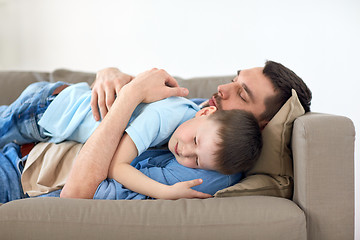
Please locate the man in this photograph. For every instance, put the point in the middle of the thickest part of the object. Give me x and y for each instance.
(261, 91)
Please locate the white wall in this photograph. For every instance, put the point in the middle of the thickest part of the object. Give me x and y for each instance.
(319, 40)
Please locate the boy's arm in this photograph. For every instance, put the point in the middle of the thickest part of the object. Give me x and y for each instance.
(92, 164)
(121, 170)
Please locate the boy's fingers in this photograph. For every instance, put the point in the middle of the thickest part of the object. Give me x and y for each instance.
(203, 195)
(195, 182)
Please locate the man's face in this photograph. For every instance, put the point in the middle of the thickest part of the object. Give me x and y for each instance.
(247, 91)
(194, 143)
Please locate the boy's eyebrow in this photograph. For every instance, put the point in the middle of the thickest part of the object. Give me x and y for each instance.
(238, 72)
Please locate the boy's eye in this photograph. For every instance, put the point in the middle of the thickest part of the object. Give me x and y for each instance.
(195, 140)
(197, 161)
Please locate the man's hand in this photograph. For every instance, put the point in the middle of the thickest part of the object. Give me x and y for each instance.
(108, 83)
(154, 85)
(183, 190)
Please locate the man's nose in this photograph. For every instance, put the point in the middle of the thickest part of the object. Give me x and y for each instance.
(223, 90)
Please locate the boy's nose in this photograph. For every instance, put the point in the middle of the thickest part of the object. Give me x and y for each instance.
(188, 151)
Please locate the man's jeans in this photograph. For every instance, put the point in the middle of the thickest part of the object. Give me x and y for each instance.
(19, 121)
(11, 167)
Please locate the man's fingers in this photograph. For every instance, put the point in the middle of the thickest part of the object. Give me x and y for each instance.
(102, 104)
(178, 91)
(170, 81)
(94, 105)
(110, 98)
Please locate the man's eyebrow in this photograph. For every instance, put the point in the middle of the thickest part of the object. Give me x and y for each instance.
(248, 91)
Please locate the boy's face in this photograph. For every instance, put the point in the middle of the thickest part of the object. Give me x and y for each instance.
(195, 141)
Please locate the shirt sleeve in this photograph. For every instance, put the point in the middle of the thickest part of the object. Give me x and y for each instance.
(168, 171)
(174, 172)
(156, 122)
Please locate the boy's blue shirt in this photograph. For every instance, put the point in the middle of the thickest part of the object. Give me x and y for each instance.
(69, 117)
(162, 166)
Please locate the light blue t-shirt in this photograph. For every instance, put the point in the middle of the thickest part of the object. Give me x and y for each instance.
(69, 117)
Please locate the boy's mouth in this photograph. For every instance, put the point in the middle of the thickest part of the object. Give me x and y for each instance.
(176, 149)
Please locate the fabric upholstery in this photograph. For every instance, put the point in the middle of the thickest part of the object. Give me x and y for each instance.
(272, 173)
(322, 206)
(324, 174)
(225, 218)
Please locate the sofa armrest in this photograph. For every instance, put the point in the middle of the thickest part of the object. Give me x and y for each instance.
(323, 155)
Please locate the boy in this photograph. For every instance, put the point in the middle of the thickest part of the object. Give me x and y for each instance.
(69, 117)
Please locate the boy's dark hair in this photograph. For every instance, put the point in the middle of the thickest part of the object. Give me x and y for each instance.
(241, 140)
(283, 80)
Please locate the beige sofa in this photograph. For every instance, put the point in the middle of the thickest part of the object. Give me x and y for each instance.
(321, 207)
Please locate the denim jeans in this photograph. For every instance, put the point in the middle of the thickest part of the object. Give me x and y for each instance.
(11, 167)
(19, 121)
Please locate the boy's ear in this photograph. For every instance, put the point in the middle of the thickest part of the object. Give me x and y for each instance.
(206, 111)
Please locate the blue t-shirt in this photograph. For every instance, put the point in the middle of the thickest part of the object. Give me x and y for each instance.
(69, 117)
(162, 166)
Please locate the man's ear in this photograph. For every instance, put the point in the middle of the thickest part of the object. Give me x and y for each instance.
(206, 111)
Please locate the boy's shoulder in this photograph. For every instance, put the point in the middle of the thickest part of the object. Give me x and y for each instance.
(174, 103)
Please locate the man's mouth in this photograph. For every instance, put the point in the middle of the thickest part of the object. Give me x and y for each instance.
(212, 101)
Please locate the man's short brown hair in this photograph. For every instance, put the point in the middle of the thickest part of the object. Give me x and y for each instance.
(283, 80)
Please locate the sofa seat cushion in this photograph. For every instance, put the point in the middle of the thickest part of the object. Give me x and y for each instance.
(252, 217)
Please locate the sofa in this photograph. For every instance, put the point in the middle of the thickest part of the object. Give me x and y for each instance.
(313, 199)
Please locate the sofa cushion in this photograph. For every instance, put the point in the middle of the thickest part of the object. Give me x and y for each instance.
(272, 174)
(253, 217)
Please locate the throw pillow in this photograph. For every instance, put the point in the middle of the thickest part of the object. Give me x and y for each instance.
(273, 172)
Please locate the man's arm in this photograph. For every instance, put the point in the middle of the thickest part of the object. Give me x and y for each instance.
(121, 170)
(92, 164)
(107, 85)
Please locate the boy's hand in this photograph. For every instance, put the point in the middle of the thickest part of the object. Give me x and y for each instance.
(108, 83)
(183, 190)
